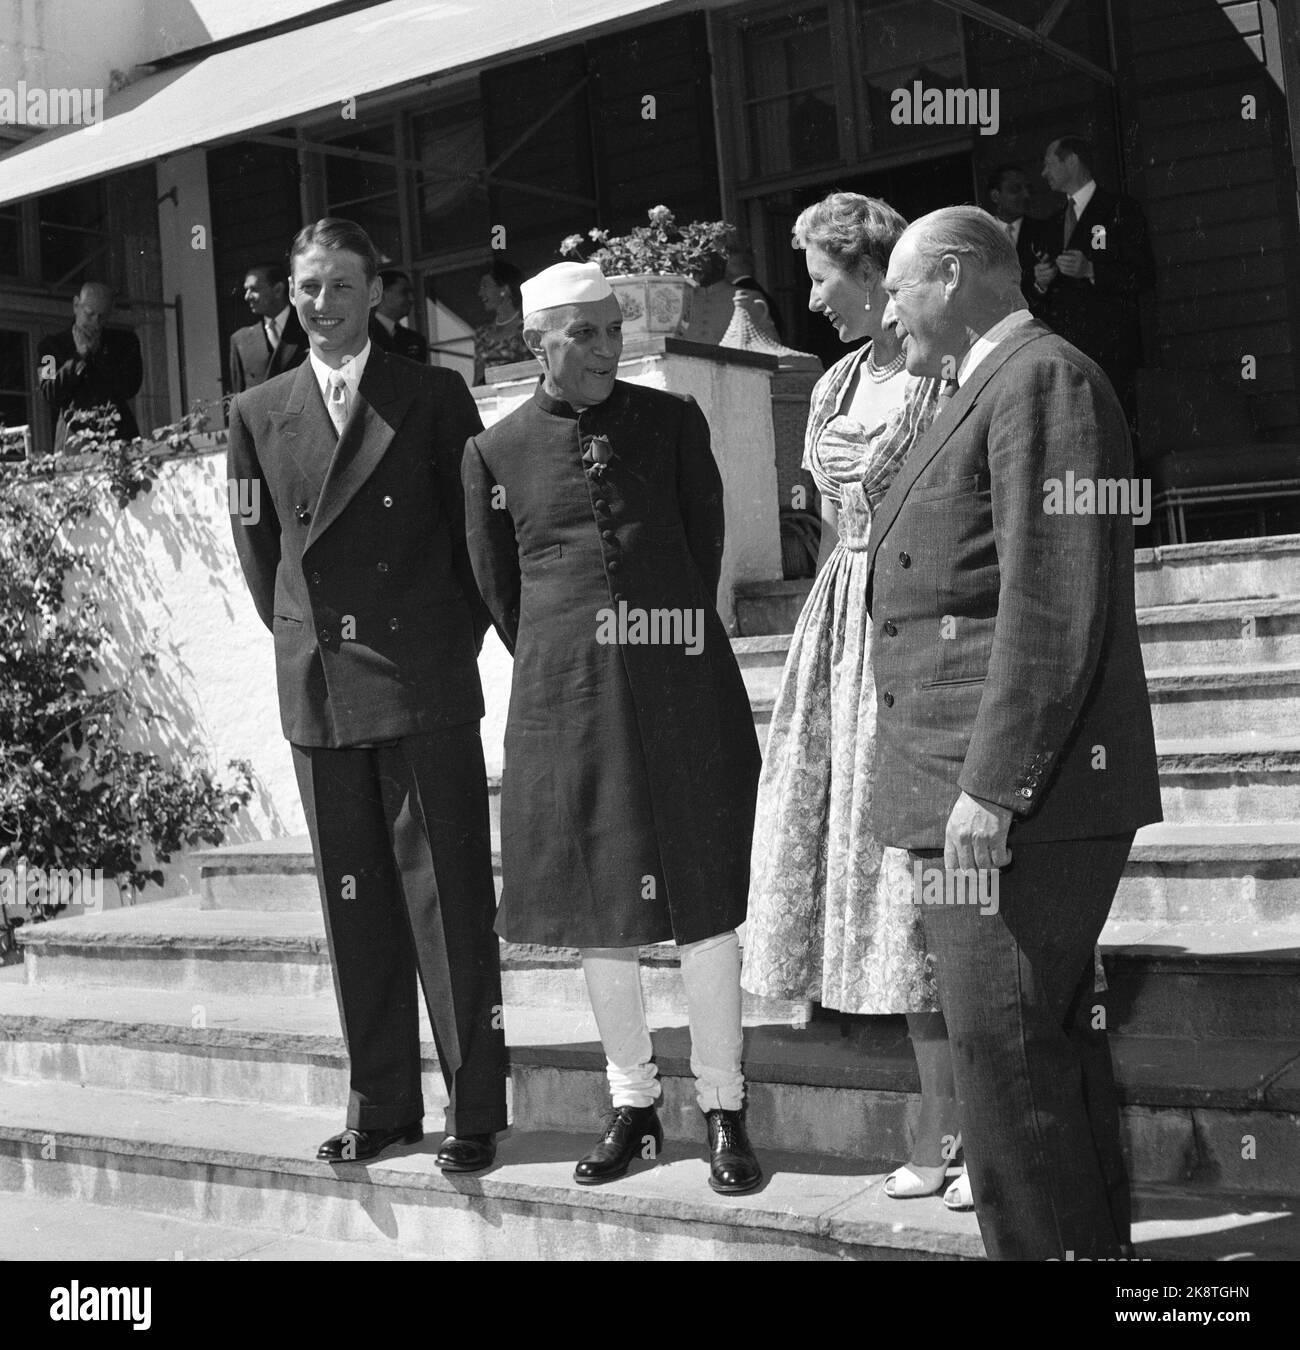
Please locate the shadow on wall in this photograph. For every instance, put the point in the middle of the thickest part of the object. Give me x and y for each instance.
(189, 643)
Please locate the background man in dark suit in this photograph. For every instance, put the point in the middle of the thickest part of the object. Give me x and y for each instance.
(355, 555)
(1102, 263)
(1009, 192)
(394, 305)
(1014, 728)
(90, 365)
(276, 342)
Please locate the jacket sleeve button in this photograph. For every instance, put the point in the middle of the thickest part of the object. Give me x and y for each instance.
(388, 501)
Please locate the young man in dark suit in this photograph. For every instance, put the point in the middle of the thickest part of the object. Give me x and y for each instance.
(90, 366)
(276, 342)
(1101, 263)
(355, 555)
(1014, 727)
(1009, 192)
(394, 305)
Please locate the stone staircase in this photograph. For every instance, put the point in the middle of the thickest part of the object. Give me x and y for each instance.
(167, 1071)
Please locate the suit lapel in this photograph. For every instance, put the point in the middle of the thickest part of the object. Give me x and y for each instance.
(942, 428)
(377, 412)
(304, 428)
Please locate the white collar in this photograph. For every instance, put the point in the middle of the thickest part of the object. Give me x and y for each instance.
(352, 370)
(1083, 196)
(279, 319)
(986, 342)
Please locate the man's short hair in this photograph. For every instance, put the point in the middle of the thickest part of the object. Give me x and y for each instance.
(971, 233)
(389, 276)
(851, 228)
(272, 273)
(1075, 145)
(993, 183)
(333, 232)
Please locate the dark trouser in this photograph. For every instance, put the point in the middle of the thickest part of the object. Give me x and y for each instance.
(1039, 1115)
(403, 857)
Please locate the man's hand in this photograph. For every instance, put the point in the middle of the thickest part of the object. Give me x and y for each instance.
(85, 342)
(1044, 273)
(976, 836)
(1073, 264)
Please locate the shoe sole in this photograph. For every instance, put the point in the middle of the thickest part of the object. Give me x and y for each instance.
(461, 1169)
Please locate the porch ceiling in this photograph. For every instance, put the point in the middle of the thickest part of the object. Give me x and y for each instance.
(271, 82)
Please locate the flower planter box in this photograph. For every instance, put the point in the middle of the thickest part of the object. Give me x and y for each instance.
(653, 304)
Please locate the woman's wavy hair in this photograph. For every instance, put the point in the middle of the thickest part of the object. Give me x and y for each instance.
(851, 229)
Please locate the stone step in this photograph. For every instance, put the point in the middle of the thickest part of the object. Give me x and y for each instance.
(1257, 632)
(1219, 572)
(1213, 873)
(251, 1168)
(240, 1164)
(1170, 1224)
(1224, 700)
(182, 944)
(843, 1086)
(1245, 977)
(1230, 779)
(1221, 569)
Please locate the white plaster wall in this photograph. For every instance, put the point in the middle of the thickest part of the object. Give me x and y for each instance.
(74, 43)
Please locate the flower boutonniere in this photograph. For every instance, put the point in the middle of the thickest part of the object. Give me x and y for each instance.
(597, 457)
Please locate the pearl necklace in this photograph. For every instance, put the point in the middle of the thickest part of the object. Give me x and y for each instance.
(879, 374)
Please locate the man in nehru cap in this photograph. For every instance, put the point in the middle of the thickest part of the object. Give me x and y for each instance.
(595, 527)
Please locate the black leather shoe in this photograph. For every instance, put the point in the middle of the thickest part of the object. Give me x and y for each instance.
(733, 1168)
(467, 1152)
(630, 1132)
(361, 1145)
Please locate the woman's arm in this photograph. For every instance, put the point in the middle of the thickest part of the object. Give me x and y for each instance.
(830, 531)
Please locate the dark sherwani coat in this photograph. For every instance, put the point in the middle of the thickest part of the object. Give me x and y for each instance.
(630, 769)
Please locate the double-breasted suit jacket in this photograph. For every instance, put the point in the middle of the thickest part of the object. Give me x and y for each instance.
(353, 547)
(1102, 316)
(1005, 645)
(356, 559)
(631, 767)
(252, 362)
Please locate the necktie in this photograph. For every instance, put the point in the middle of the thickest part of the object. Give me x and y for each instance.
(272, 333)
(1071, 220)
(337, 402)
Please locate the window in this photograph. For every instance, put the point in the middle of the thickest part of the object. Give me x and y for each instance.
(15, 400)
(75, 240)
(790, 112)
(902, 41)
(365, 190)
(452, 209)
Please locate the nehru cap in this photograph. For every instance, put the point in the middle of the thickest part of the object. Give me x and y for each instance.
(567, 283)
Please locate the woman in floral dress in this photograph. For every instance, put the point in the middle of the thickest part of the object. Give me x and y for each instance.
(831, 917)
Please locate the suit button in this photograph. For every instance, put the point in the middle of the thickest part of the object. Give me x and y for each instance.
(613, 564)
(608, 534)
(1026, 792)
(303, 514)
(315, 578)
(905, 559)
(388, 501)
(887, 699)
(393, 625)
(890, 630)
(325, 637)
(383, 567)
(601, 504)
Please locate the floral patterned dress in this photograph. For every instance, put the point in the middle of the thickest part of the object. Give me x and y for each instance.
(830, 912)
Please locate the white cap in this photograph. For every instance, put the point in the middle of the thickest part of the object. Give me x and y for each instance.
(567, 283)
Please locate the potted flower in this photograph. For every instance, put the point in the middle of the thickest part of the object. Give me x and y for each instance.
(654, 269)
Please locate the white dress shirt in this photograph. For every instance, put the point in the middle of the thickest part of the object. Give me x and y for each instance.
(987, 341)
(352, 370)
